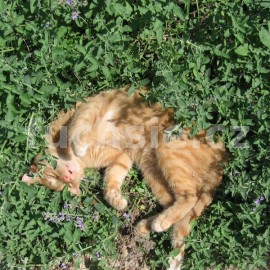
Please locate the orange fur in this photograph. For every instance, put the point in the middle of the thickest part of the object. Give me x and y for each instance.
(115, 130)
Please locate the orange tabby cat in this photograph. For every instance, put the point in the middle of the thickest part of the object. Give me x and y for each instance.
(115, 130)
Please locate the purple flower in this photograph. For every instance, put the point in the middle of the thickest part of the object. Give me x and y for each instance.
(61, 217)
(69, 2)
(257, 201)
(97, 254)
(66, 205)
(126, 215)
(75, 254)
(79, 223)
(51, 219)
(75, 15)
(63, 266)
(95, 216)
(46, 216)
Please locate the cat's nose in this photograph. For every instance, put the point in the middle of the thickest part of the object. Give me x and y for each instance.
(67, 178)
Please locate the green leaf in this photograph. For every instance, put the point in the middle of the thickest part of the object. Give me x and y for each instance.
(81, 49)
(179, 13)
(30, 225)
(94, 64)
(158, 27)
(263, 3)
(32, 5)
(115, 220)
(144, 82)
(76, 236)
(78, 67)
(68, 237)
(242, 50)
(131, 89)
(100, 207)
(25, 98)
(19, 20)
(20, 138)
(107, 73)
(220, 53)
(265, 37)
(29, 189)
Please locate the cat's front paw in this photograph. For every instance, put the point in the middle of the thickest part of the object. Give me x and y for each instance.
(161, 223)
(115, 199)
(79, 149)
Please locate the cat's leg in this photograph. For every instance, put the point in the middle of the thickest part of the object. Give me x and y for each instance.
(161, 191)
(78, 138)
(114, 177)
(163, 194)
(80, 128)
(184, 202)
(157, 182)
(181, 230)
(144, 227)
(182, 227)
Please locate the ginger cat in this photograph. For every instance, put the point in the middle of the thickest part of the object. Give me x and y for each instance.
(115, 130)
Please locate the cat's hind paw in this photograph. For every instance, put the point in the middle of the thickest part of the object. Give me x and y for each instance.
(161, 223)
(143, 228)
(115, 199)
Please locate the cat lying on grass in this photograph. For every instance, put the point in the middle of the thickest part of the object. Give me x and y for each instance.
(115, 130)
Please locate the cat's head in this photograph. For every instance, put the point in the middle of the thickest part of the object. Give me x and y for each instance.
(55, 177)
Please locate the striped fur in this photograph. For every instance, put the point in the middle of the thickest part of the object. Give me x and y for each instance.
(115, 130)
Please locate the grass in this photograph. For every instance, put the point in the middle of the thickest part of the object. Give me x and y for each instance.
(209, 60)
